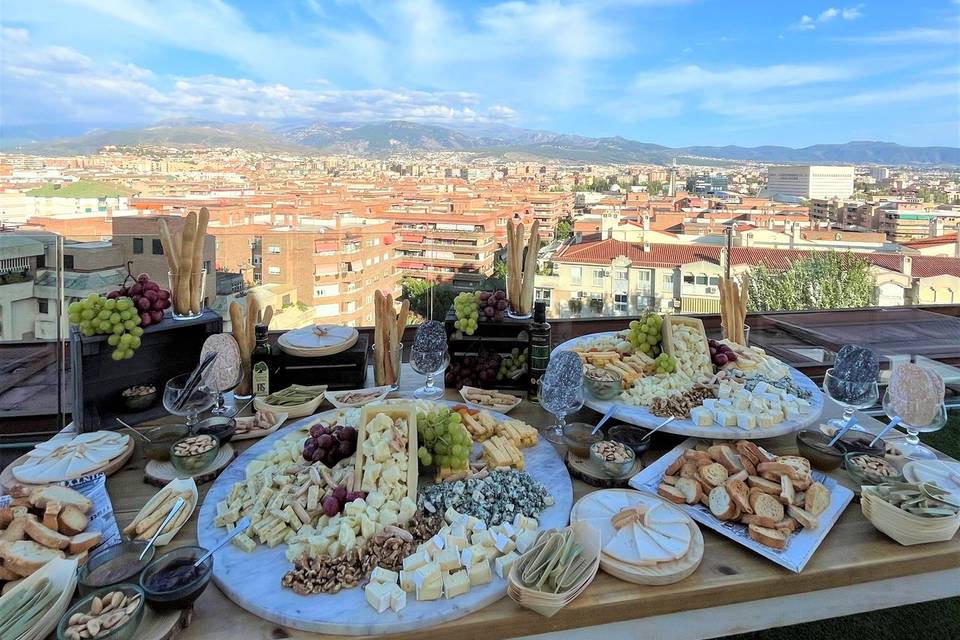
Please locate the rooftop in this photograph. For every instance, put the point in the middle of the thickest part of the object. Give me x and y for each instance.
(81, 189)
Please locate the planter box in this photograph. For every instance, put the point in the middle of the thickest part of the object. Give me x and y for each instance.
(167, 349)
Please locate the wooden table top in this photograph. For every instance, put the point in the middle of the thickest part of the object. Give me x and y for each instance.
(853, 552)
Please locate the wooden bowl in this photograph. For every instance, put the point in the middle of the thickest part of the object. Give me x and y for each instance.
(904, 527)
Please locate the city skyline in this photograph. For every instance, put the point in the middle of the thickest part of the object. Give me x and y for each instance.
(661, 71)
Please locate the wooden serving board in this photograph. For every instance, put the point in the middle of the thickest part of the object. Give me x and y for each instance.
(395, 411)
(8, 480)
(670, 323)
(160, 473)
(163, 625)
(584, 469)
(305, 343)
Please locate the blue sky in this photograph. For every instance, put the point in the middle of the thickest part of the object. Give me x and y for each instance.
(674, 72)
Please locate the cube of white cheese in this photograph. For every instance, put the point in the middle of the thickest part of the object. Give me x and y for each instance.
(406, 580)
(746, 420)
(434, 545)
(472, 555)
(451, 515)
(455, 542)
(803, 405)
(398, 597)
(455, 584)
(503, 544)
(766, 420)
(526, 539)
(701, 416)
(416, 560)
(430, 591)
(380, 574)
(710, 404)
(761, 387)
(725, 418)
(377, 596)
(503, 563)
(427, 573)
(479, 573)
(484, 538)
(521, 521)
(448, 559)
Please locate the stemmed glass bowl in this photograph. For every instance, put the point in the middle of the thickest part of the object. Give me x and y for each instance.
(430, 364)
(560, 402)
(199, 400)
(851, 395)
(914, 449)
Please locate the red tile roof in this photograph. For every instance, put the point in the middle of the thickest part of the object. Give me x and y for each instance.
(595, 251)
(935, 241)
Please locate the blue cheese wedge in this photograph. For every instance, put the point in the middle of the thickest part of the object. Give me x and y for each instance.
(502, 564)
(479, 573)
(377, 596)
(455, 584)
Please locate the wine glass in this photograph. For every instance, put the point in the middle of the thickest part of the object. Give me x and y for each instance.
(902, 410)
(430, 364)
(851, 395)
(560, 400)
(220, 405)
(200, 399)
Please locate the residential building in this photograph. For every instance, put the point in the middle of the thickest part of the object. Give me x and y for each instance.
(810, 181)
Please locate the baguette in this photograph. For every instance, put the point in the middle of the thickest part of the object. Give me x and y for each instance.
(84, 542)
(64, 495)
(47, 537)
(690, 489)
(762, 521)
(806, 519)
(23, 557)
(767, 486)
(816, 499)
(769, 537)
(715, 474)
(779, 469)
(671, 493)
(722, 504)
(767, 506)
(688, 469)
(740, 493)
(72, 521)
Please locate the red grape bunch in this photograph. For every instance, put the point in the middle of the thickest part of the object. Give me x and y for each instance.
(329, 444)
(336, 501)
(148, 298)
(720, 353)
(474, 371)
(493, 304)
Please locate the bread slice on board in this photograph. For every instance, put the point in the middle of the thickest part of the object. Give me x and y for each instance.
(721, 504)
(816, 499)
(769, 537)
(26, 556)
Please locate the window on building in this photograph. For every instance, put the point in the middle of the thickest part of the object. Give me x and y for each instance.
(542, 295)
(714, 281)
(644, 276)
(43, 305)
(273, 249)
(68, 262)
(598, 277)
(701, 280)
(207, 265)
(576, 275)
(157, 247)
(274, 271)
(620, 302)
(41, 261)
(286, 300)
(668, 280)
(688, 278)
(138, 245)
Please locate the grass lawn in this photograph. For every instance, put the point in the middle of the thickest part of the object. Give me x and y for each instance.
(937, 619)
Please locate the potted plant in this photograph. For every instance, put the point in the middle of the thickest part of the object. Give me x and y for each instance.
(596, 304)
(576, 305)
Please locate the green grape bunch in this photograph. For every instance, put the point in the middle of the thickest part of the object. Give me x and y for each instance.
(466, 307)
(664, 363)
(646, 334)
(444, 441)
(116, 318)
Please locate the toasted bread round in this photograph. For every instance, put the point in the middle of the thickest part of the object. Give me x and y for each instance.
(769, 537)
(752, 518)
(674, 467)
(740, 493)
(805, 518)
(715, 474)
(671, 493)
(721, 504)
(23, 557)
(73, 521)
(691, 490)
(816, 499)
(767, 506)
(84, 542)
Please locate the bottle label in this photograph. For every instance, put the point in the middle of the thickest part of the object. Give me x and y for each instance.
(261, 379)
(539, 356)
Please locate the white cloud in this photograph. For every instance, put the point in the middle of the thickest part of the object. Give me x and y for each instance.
(806, 23)
(852, 13)
(912, 35)
(828, 14)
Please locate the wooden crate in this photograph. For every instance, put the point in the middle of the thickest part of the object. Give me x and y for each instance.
(344, 370)
(167, 349)
(501, 337)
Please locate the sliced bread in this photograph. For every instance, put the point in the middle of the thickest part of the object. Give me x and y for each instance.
(50, 513)
(7, 574)
(715, 474)
(722, 504)
(816, 499)
(749, 452)
(688, 469)
(804, 517)
(40, 496)
(690, 489)
(767, 486)
(674, 467)
(46, 537)
(23, 557)
(769, 537)
(767, 506)
(752, 518)
(671, 480)
(787, 494)
(739, 491)
(787, 523)
(84, 542)
(779, 469)
(73, 521)
(741, 475)
(6, 516)
(671, 493)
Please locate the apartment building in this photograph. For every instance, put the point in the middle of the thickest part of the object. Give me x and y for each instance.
(549, 209)
(81, 197)
(810, 181)
(905, 221)
(612, 277)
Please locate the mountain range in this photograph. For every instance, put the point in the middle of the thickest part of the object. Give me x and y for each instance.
(394, 137)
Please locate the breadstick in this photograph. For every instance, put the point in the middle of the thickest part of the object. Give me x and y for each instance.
(196, 260)
(157, 515)
(253, 308)
(181, 300)
(530, 268)
(378, 328)
(390, 330)
(169, 248)
(402, 317)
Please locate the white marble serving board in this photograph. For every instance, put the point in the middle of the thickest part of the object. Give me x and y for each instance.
(252, 580)
(685, 427)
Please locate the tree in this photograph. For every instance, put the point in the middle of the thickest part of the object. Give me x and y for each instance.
(564, 230)
(654, 187)
(824, 280)
(500, 269)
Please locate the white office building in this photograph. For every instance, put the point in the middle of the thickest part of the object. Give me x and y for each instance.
(810, 181)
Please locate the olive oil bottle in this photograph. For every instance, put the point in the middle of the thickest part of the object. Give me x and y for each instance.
(539, 349)
(262, 358)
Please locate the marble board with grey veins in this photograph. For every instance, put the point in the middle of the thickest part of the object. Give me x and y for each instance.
(252, 580)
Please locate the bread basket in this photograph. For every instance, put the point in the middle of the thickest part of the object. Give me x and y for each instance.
(904, 527)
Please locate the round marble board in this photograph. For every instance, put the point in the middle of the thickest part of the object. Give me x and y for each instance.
(641, 416)
(252, 580)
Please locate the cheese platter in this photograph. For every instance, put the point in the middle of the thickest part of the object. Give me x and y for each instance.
(444, 542)
(749, 394)
(60, 459)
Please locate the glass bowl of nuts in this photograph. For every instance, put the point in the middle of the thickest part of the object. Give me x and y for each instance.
(868, 469)
(111, 613)
(613, 457)
(193, 454)
(602, 384)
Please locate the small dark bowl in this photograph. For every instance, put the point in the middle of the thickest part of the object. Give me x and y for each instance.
(578, 438)
(160, 440)
(220, 427)
(631, 436)
(813, 446)
(859, 442)
(123, 556)
(140, 403)
(182, 596)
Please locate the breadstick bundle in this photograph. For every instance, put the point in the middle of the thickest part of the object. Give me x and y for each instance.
(184, 254)
(387, 335)
(243, 323)
(733, 309)
(521, 270)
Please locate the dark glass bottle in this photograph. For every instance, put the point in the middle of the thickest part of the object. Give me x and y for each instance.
(539, 354)
(261, 362)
